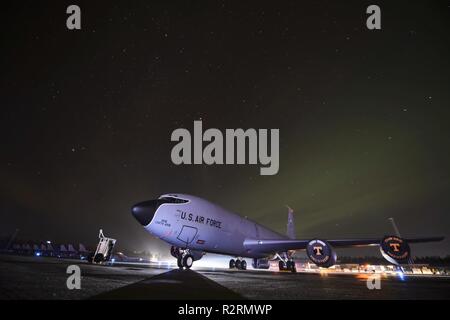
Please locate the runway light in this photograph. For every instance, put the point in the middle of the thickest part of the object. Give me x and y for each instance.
(37, 254)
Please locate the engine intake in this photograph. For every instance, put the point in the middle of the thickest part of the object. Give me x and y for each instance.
(321, 253)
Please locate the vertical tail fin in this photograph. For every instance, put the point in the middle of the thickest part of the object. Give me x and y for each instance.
(290, 227)
(394, 226)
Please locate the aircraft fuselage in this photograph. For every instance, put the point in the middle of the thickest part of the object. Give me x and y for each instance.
(200, 225)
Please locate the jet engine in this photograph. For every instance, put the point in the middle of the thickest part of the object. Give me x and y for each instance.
(261, 264)
(395, 250)
(321, 253)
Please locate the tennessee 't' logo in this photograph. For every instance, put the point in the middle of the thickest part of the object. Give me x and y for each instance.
(395, 246)
(318, 251)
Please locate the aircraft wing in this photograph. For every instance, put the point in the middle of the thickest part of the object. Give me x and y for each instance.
(269, 246)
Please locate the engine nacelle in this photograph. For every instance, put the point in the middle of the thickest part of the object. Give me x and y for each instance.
(395, 250)
(321, 253)
(261, 264)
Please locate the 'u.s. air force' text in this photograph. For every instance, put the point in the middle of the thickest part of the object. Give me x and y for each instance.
(199, 219)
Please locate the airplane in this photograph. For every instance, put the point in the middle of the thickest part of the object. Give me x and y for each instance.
(194, 226)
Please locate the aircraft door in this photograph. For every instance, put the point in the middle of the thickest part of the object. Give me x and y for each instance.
(187, 234)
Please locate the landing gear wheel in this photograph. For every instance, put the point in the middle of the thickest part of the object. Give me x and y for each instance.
(290, 265)
(174, 251)
(188, 260)
(294, 268)
(238, 264)
(281, 265)
(243, 265)
(180, 262)
(232, 264)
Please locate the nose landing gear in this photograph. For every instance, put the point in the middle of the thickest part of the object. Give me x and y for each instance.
(184, 257)
(187, 261)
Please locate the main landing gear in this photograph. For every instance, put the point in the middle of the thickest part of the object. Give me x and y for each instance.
(288, 266)
(238, 264)
(184, 257)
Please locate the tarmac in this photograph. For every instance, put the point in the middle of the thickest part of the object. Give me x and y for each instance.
(40, 278)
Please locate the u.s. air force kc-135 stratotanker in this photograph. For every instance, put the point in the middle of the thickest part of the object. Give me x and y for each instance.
(194, 226)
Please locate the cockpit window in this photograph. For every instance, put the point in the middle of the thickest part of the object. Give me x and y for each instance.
(172, 200)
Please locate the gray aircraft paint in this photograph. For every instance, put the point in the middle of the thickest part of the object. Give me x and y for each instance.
(168, 225)
(202, 226)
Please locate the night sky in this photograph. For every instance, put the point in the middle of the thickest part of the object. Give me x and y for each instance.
(86, 116)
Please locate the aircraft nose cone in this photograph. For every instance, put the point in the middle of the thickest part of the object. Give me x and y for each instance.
(144, 211)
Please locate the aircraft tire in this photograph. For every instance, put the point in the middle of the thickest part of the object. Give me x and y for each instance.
(281, 265)
(243, 265)
(232, 264)
(180, 262)
(238, 264)
(188, 261)
(291, 266)
(174, 252)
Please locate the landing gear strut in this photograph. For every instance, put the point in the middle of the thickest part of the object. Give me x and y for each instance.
(288, 265)
(291, 266)
(238, 264)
